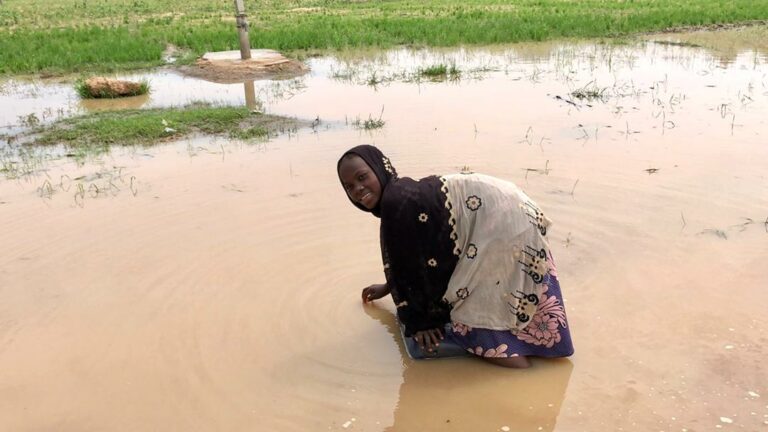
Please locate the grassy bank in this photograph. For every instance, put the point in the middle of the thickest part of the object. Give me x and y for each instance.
(99, 131)
(121, 34)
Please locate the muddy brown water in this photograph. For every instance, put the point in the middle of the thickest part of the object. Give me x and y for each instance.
(214, 285)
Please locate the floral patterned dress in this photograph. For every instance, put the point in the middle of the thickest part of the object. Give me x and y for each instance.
(547, 334)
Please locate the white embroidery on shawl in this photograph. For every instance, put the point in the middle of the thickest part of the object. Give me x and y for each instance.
(471, 251)
(535, 216)
(534, 262)
(451, 218)
(387, 165)
(522, 306)
(474, 202)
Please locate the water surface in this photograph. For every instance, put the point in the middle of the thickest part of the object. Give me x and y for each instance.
(214, 285)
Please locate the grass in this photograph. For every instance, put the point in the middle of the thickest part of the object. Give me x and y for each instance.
(249, 133)
(107, 35)
(433, 71)
(370, 123)
(99, 131)
(17, 162)
(440, 71)
(374, 80)
(375, 74)
(84, 91)
(590, 92)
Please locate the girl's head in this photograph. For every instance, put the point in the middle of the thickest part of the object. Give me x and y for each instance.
(364, 173)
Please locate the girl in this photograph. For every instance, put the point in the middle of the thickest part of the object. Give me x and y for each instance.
(465, 249)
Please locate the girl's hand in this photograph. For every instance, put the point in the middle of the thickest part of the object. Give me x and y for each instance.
(429, 339)
(374, 292)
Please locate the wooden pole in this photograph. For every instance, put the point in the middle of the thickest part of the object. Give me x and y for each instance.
(242, 30)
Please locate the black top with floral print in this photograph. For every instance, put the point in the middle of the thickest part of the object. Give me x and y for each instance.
(417, 251)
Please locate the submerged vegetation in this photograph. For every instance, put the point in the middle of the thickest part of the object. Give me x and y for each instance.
(590, 92)
(111, 35)
(370, 123)
(150, 126)
(376, 75)
(440, 71)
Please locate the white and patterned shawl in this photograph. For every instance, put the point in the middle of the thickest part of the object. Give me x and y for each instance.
(500, 234)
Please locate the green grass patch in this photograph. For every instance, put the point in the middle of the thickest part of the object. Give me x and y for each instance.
(432, 71)
(250, 133)
(57, 36)
(152, 126)
(439, 72)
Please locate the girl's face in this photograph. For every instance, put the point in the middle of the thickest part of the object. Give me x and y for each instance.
(360, 182)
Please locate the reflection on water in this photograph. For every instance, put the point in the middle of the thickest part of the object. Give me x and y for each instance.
(132, 102)
(726, 45)
(450, 393)
(250, 95)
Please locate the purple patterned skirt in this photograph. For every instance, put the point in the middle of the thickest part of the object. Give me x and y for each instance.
(546, 336)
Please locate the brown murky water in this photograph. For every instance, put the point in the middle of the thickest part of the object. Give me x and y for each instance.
(214, 285)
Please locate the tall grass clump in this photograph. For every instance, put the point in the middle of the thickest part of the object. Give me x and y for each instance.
(590, 92)
(440, 71)
(370, 123)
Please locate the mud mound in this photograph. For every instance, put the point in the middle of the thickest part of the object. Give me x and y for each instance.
(100, 87)
(226, 67)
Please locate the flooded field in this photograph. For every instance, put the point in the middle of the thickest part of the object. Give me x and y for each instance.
(211, 284)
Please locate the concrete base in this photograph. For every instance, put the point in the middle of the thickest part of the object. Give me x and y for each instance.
(228, 67)
(260, 55)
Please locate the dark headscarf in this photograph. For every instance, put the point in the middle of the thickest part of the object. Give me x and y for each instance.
(380, 166)
(417, 246)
